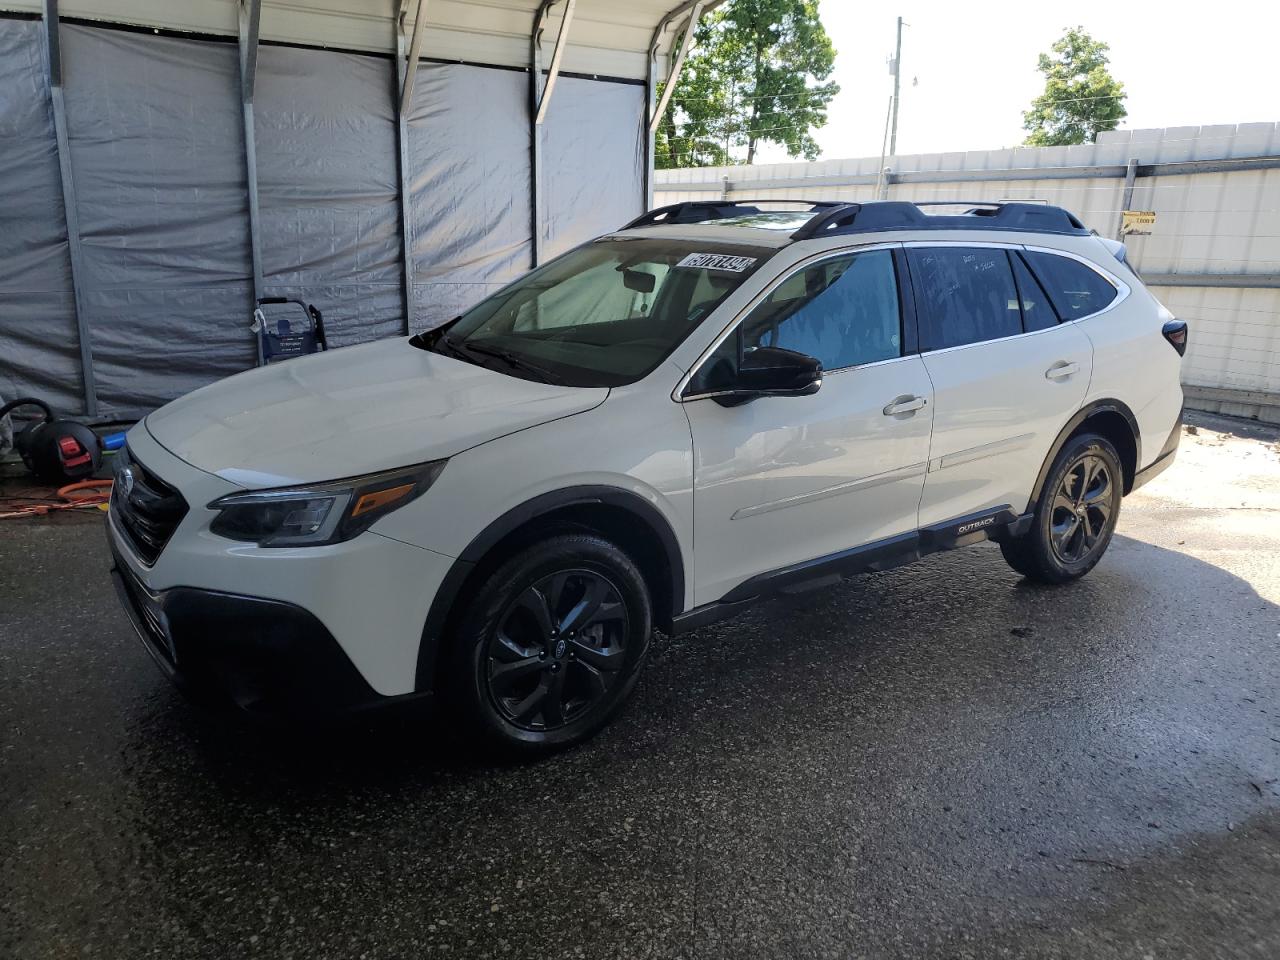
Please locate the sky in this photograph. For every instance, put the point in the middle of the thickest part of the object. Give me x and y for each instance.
(969, 69)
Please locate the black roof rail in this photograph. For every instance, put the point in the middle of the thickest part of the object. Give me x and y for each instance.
(700, 211)
(834, 217)
(883, 215)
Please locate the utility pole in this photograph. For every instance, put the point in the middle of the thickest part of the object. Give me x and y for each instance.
(897, 74)
(882, 188)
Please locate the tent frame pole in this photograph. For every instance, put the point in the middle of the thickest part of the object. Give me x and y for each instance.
(539, 100)
(248, 21)
(655, 109)
(408, 52)
(53, 52)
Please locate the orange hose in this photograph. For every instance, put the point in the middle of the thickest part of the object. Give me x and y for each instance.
(85, 493)
(83, 486)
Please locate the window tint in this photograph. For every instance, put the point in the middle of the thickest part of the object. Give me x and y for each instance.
(964, 295)
(1076, 290)
(844, 311)
(1037, 312)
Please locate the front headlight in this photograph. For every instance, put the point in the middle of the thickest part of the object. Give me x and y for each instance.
(320, 513)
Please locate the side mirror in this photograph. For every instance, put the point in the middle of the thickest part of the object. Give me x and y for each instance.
(773, 372)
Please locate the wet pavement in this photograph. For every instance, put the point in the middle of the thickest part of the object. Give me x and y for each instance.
(937, 761)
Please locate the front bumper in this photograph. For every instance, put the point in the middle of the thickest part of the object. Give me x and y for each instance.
(370, 595)
(265, 656)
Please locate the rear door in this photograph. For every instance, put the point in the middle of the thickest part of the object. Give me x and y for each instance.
(1006, 376)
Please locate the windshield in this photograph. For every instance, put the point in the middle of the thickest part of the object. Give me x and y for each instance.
(602, 315)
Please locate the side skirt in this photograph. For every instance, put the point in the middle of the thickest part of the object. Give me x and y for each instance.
(997, 523)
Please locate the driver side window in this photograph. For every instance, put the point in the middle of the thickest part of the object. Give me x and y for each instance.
(844, 311)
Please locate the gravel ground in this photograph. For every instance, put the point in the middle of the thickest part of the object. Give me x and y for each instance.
(936, 761)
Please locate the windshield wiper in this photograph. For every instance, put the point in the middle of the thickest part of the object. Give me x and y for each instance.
(446, 346)
(511, 359)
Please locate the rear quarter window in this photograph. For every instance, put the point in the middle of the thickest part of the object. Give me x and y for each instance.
(1075, 290)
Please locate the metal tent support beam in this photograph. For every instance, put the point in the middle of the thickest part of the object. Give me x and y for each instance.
(53, 51)
(673, 76)
(407, 54)
(539, 100)
(1130, 175)
(250, 17)
(1077, 172)
(656, 110)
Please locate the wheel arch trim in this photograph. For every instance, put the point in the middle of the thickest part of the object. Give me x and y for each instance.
(587, 495)
(1091, 409)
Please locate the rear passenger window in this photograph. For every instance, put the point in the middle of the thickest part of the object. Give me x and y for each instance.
(1037, 313)
(964, 295)
(1076, 290)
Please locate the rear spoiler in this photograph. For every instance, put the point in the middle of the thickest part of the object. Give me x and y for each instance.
(1118, 250)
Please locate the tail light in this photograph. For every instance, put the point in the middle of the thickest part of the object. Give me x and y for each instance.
(1175, 331)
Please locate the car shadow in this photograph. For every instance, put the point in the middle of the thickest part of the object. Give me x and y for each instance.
(962, 623)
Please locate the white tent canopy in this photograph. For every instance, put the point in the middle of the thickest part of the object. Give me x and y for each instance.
(609, 37)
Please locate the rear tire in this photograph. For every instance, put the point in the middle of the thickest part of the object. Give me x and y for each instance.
(1075, 516)
(551, 644)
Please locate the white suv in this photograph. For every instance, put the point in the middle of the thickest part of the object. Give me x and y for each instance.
(712, 405)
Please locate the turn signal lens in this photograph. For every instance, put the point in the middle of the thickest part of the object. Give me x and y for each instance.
(383, 498)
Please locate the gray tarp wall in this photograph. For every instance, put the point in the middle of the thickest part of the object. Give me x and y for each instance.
(328, 191)
(155, 134)
(469, 153)
(157, 153)
(38, 348)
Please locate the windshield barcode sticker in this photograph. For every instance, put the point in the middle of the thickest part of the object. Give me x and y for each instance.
(717, 261)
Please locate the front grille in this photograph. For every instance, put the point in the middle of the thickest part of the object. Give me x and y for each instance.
(147, 509)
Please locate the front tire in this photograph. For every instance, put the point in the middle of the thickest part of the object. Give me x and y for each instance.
(1075, 516)
(551, 644)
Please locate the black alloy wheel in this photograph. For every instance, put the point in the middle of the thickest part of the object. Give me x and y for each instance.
(1075, 514)
(558, 650)
(1081, 509)
(549, 644)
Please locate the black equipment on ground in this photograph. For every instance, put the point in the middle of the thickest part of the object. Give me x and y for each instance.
(281, 338)
(56, 451)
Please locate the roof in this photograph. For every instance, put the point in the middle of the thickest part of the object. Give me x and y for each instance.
(609, 38)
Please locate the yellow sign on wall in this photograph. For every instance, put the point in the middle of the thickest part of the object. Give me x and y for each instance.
(1134, 220)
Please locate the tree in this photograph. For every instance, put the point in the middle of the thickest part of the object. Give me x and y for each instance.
(755, 75)
(1080, 99)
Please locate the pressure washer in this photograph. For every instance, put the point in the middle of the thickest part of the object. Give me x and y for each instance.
(57, 451)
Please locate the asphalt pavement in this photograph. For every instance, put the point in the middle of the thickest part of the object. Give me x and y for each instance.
(939, 761)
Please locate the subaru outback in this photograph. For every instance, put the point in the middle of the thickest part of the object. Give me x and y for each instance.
(716, 404)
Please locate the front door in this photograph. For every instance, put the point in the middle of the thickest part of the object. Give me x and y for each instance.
(785, 480)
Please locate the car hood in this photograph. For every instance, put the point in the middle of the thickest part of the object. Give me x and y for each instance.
(352, 411)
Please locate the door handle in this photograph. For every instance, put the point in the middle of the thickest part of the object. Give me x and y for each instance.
(1062, 369)
(904, 404)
